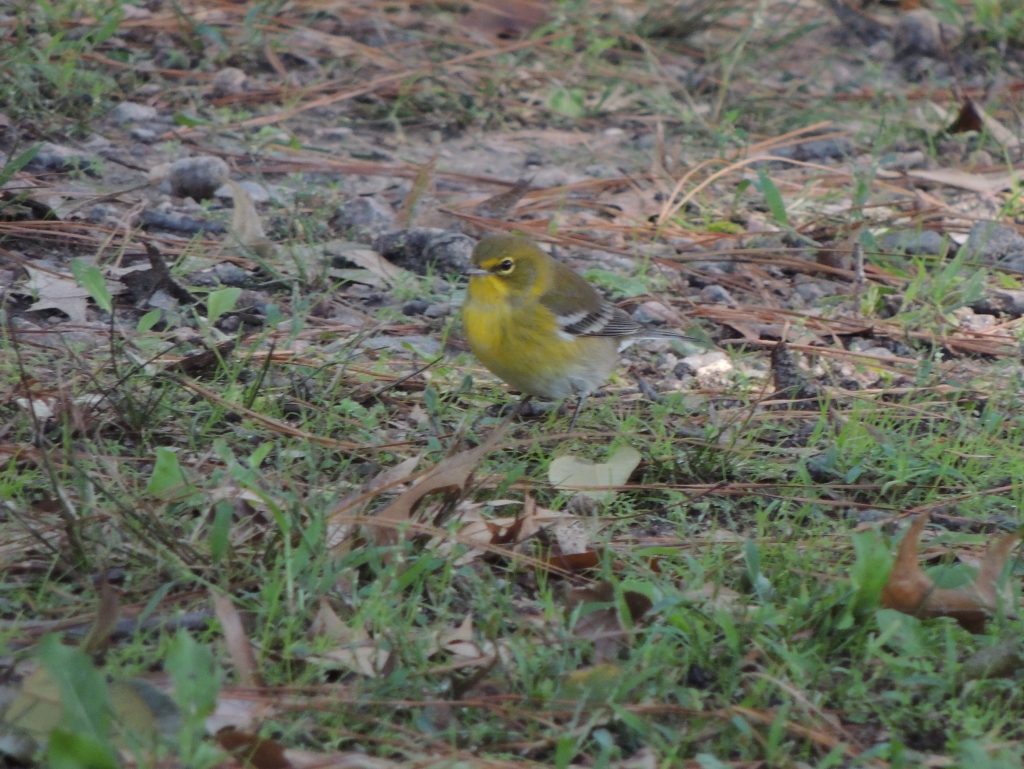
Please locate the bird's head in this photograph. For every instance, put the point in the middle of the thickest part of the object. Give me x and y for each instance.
(511, 262)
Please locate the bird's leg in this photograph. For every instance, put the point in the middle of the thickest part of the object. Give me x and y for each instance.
(576, 413)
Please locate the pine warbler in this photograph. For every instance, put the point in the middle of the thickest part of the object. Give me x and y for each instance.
(540, 326)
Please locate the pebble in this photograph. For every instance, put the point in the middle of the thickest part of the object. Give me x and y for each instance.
(174, 221)
(918, 33)
(970, 320)
(228, 82)
(58, 157)
(257, 191)
(425, 249)
(415, 307)
(1002, 300)
(709, 367)
(715, 294)
(995, 243)
(809, 290)
(132, 112)
(817, 150)
(653, 311)
(143, 134)
(903, 161)
(914, 242)
(363, 218)
(426, 346)
(197, 177)
(439, 310)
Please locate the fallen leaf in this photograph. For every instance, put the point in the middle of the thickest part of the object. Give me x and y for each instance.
(506, 19)
(449, 475)
(1001, 660)
(599, 617)
(56, 292)
(911, 591)
(339, 524)
(107, 610)
(973, 117)
(367, 259)
(327, 624)
(357, 652)
(246, 227)
(595, 479)
(253, 750)
(952, 177)
(239, 649)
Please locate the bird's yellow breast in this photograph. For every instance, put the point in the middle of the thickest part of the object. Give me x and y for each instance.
(518, 339)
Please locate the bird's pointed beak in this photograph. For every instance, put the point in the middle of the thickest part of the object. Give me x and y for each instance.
(473, 270)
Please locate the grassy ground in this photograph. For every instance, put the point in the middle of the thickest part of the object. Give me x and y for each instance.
(280, 519)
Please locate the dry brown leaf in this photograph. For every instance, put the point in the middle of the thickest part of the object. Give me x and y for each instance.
(973, 117)
(449, 475)
(246, 227)
(241, 708)
(252, 750)
(952, 177)
(56, 292)
(356, 650)
(239, 650)
(603, 625)
(107, 611)
(365, 258)
(913, 592)
(506, 19)
(327, 624)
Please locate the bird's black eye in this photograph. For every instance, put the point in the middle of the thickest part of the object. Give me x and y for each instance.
(506, 265)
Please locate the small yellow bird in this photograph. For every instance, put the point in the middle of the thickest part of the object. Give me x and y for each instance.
(540, 326)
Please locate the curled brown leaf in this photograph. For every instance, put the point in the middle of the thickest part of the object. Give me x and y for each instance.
(913, 592)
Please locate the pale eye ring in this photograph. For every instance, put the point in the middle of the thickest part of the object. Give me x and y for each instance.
(506, 265)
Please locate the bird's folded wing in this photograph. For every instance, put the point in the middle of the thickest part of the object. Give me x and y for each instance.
(606, 320)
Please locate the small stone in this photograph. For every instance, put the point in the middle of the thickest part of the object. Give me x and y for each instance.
(708, 367)
(1005, 300)
(918, 33)
(902, 161)
(715, 294)
(228, 274)
(143, 134)
(995, 243)
(815, 150)
(228, 82)
(415, 307)
(132, 112)
(653, 311)
(197, 177)
(914, 242)
(363, 218)
(439, 310)
(809, 290)
(257, 191)
(422, 249)
(425, 346)
(719, 267)
(57, 157)
(969, 320)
